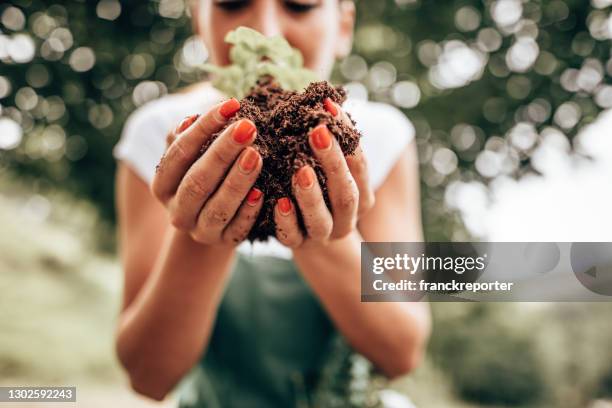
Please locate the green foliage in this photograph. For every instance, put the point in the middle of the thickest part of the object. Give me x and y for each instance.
(78, 115)
(404, 42)
(60, 293)
(253, 56)
(489, 362)
(605, 388)
(72, 118)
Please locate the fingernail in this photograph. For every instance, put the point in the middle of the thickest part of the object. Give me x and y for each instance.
(305, 177)
(284, 206)
(244, 131)
(321, 139)
(330, 106)
(186, 123)
(248, 161)
(229, 108)
(254, 196)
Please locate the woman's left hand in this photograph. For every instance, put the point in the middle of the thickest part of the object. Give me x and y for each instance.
(348, 187)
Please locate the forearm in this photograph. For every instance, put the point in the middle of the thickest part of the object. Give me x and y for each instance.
(165, 328)
(391, 334)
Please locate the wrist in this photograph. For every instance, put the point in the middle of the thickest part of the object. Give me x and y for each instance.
(186, 241)
(318, 249)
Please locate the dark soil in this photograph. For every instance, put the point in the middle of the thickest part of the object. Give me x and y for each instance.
(284, 120)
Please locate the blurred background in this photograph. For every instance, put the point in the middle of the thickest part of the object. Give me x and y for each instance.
(509, 99)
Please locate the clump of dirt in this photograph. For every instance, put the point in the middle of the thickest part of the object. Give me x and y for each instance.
(284, 119)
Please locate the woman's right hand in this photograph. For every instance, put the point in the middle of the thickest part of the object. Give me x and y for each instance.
(210, 196)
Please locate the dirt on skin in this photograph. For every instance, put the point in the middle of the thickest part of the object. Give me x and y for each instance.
(283, 120)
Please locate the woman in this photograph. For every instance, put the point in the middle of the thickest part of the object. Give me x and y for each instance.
(255, 323)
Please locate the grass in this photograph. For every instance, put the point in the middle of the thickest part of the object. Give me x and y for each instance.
(59, 299)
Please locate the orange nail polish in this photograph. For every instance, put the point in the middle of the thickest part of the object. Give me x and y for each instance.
(186, 123)
(244, 131)
(330, 106)
(248, 161)
(284, 206)
(306, 177)
(254, 196)
(229, 108)
(321, 138)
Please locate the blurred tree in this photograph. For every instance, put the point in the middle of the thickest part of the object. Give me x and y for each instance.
(605, 390)
(483, 81)
(490, 362)
(490, 76)
(71, 74)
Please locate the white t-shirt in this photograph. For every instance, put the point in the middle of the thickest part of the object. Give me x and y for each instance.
(385, 133)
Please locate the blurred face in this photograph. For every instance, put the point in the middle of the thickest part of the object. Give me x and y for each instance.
(321, 29)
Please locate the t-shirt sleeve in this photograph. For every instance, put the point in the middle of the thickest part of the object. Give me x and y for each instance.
(143, 141)
(386, 132)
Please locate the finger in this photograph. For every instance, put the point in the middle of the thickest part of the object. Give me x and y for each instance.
(337, 111)
(239, 228)
(221, 208)
(356, 162)
(317, 218)
(170, 138)
(187, 141)
(342, 190)
(202, 179)
(287, 228)
(358, 166)
(184, 125)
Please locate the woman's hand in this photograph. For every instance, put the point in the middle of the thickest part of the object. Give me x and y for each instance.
(210, 196)
(348, 187)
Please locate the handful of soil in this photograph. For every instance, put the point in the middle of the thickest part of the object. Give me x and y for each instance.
(284, 120)
(266, 74)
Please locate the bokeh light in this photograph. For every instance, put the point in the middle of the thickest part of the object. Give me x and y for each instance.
(10, 134)
(194, 52)
(171, 8)
(13, 18)
(406, 94)
(467, 18)
(457, 66)
(82, 59)
(568, 115)
(5, 87)
(522, 55)
(354, 68)
(108, 9)
(506, 12)
(21, 48)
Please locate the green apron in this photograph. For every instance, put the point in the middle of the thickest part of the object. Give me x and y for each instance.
(270, 343)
